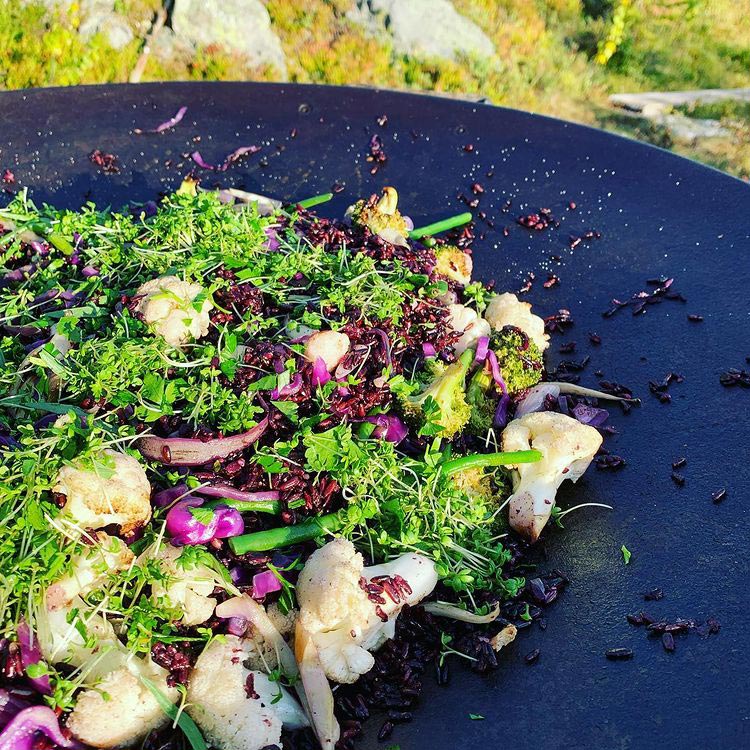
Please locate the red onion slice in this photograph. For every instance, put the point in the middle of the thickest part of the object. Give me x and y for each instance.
(195, 452)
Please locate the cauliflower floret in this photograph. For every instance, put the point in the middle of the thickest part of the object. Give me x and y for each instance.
(506, 310)
(69, 630)
(330, 346)
(454, 263)
(567, 447)
(462, 318)
(116, 492)
(343, 623)
(90, 569)
(186, 587)
(173, 307)
(121, 710)
(238, 709)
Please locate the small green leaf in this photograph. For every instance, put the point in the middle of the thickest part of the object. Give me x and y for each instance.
(476, 717)
(184, 722)
(202, 515)
(626, 554)
(37, 670)
(288, 409)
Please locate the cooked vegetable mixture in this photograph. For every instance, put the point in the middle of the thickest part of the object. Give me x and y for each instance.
(237, 443)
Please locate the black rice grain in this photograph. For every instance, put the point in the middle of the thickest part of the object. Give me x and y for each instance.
(619, 654)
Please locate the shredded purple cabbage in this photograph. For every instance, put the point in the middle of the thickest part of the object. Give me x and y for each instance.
(236, 155)
(590, 415)
(31, 654)
(166, 125)
(21, 732)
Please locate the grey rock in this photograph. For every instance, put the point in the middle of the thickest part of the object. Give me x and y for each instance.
(688, 130)
(99, 17)
(241, 26)
(427, 28)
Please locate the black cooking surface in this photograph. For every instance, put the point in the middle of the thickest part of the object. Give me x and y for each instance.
(659, 216)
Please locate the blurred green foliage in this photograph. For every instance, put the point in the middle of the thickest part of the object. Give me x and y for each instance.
(559, 57)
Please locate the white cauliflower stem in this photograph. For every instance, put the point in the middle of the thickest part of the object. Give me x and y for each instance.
(121, 710)
(330, 346)
(567, 448)
(464, 319)
(174, 309)
(116, 492)
(507, 310)
(342, 620)
(236, 708)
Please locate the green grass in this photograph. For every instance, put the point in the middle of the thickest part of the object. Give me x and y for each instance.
(550, 55)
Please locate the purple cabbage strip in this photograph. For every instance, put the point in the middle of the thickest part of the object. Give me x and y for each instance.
(501, 413)
(31, 654)
(163, 498)
(236, 155)
(320, 375)
(166, 125)
(483, 347)
(21, 733)
(590, 415)
(265, 583)
(12, 702)
(290, 389)
(272, 239)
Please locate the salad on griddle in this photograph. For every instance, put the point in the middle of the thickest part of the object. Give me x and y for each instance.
(253, 461)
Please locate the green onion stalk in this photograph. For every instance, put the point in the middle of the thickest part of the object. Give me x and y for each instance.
(441, 226)
(316, 200)
(312, 528)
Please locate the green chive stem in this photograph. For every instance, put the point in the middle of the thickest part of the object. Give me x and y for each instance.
(285, 536)
(316, 200)
(480, 460)
(441, 226)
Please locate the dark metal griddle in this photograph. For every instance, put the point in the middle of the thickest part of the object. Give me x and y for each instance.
(658, 215)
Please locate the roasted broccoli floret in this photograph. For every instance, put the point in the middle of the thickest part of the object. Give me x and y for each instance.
(454, 264)
(520, 360)
(482, 396)
(380, 215)
(441, 408)
(475, 483)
